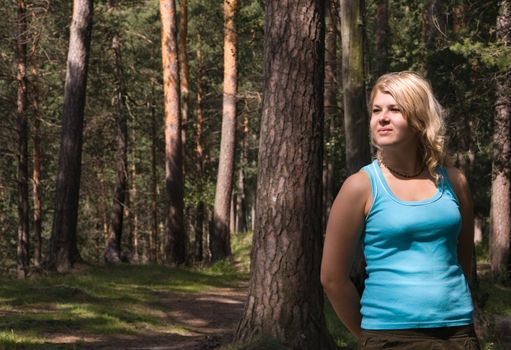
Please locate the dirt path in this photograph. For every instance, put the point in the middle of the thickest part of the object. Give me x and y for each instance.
(206, 321)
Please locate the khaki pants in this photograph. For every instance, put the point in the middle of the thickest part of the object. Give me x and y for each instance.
(443, 338)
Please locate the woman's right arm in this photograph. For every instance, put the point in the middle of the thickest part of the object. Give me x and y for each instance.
(342, 235)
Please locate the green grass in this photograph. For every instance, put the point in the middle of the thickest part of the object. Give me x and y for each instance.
(102, 300)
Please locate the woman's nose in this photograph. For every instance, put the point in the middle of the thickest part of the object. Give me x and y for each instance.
(383, 117)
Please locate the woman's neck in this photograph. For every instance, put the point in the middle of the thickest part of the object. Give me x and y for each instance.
(402, 162)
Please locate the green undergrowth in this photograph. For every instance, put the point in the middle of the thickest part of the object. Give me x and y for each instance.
(105, 300)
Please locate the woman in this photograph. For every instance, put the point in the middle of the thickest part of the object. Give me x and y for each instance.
(414, 218)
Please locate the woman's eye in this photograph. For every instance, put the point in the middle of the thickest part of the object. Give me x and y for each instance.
(376, 110)
(395, 110)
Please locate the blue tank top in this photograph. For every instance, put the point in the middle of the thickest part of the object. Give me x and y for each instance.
(414, 278)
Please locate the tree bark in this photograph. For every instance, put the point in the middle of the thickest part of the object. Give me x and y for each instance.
(501, 166)
(382, 38)
(63, 251)
(23, 257)
(113, 244)
(356, 120)
(36, 164)
(220, 245)
(331, 109)
(184, 72)
(132, 212)
(153, 236)
(199, 152)
(285, 298)
(241, 200)
(175, 248)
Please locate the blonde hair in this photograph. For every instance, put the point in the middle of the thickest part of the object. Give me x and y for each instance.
(423, 112)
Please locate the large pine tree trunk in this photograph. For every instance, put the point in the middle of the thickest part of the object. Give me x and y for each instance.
(285, 298)
(23, 258)
(113, 243)
(175, 248)
(501, 167)
(220, 245)
(63, 252)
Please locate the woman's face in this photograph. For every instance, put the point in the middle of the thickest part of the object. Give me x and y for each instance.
(389, 126)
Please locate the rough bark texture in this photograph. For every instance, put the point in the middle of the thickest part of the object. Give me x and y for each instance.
(63, 252)
(175, 246)
(356, 120)
(113, 243)
(501, 167)
(285, 298)
(220, 244)
(23, 258)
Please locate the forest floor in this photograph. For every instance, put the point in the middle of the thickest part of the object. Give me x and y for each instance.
(157, 307)
(107, 308)
(206, 320)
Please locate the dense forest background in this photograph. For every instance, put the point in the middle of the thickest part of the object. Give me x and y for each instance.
(456, 49)
(131, 130)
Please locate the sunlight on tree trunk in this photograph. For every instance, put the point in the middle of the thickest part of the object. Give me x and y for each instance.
(63, 251)
(175, 246)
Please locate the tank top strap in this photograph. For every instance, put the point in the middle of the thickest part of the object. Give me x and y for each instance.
(446, 184)
(371, 171)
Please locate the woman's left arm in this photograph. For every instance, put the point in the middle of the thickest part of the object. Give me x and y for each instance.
(466, 237)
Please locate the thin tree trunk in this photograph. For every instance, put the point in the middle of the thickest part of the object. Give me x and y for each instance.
(501, 166)
(330, 101)
(113, 244)
(233, 214)
(356, 120)
(184, 72)
(219, 233)
(132, 206)
(23, 258)
(153, 236)
(285, 297)
(199, 152)
(382, 38)
(241, 200)
(199, 231)
(63, 252)
(36, 160)
(175, 247)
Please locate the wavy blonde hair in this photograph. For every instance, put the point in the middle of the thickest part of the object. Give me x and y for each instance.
(423, 112)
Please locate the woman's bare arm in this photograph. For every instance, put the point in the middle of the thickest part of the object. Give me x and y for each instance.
(342, 235)
(466, 237)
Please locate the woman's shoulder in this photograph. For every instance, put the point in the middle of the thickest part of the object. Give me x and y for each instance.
(357, 185)
(458, 180)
